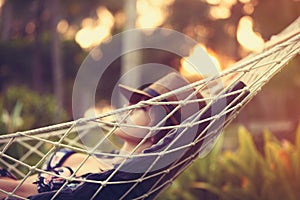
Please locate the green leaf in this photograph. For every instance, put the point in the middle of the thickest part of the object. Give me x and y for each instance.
(209, 187)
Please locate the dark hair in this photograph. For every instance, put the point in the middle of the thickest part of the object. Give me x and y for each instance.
(169, 122)
(177, 116)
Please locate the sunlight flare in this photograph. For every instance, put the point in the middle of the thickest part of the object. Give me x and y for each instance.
(95, 31)
(1, 3)
(248, 39)
(198, 57)
(220, 9)
(152, 13)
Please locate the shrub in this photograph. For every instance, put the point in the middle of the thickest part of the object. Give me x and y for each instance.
(243, 174)
(23, 109)
(30, 109)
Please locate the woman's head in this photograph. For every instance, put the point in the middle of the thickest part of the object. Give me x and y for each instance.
(165, 113)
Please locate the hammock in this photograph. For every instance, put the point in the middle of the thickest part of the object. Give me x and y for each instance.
(145, 175)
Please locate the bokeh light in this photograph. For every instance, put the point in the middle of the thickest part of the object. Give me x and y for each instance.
(1, 3)
(95, 31)
(248, 39)
(220, 9)
(245, 1)
(30, 28)
(220, 12)
(62, 26)
(152, 13)
(196, 57)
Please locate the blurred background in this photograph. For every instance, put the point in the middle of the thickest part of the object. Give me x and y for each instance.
(44, 42)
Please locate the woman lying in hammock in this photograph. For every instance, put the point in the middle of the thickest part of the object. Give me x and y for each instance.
(65, 161)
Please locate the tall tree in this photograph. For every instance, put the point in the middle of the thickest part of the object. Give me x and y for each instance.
(37, 56)
(6, 18)
(58, 75)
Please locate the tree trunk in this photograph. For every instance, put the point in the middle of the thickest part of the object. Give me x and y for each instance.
(58, 76)
(36, 61)
(6, 18)
(130, 42)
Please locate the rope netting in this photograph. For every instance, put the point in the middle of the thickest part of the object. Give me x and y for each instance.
(143, 175)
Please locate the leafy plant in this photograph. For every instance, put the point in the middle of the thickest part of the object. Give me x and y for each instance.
(34, 110)
(12, 121)
(24, 109)
(245, 173)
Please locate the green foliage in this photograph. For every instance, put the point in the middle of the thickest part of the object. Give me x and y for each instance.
(244, 173)
(205, 170)
(12, 121)
(24, 109)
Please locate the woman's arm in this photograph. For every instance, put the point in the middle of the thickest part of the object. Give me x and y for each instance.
(75, 161)
(25, 190)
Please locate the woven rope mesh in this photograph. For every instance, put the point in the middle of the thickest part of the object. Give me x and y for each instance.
(23, 153)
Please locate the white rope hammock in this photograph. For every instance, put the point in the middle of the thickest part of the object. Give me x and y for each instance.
(243, 80)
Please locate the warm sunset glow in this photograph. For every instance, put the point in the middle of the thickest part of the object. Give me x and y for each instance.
(245, 1)
(220, 12)
(66, 30)
(152, 13)
(62, 26)
(105, 16)
(94, 31)
(220, 9)
(120, 19)
(102, 107)
(197, 57)
(248, 9)
(1, 3)
(213, 2)
(250, 40)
